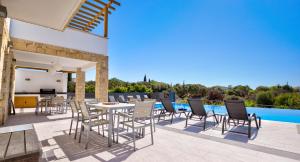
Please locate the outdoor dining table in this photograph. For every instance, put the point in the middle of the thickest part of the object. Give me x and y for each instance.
(110, 108)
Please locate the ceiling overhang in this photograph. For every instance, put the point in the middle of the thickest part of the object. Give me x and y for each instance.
(42, 61)
(53, 14)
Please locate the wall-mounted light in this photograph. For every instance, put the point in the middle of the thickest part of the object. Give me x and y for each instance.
(27, 79)
(3, 11)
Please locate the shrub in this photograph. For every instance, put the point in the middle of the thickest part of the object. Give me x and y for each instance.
(232, 97)
(264, 98)
(250, 103)
(215, 94)
(288, 100)
(120, 90)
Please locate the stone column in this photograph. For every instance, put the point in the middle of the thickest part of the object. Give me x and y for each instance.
(80, 85)
(101, 85)
(4, 70)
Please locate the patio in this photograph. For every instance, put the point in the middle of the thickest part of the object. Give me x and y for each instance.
(275, 141)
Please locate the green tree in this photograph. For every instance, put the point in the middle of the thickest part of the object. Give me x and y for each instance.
(215, 93)
(265, 98)
(90, 87)
(196, 90)
(71, 87)
(288, 100)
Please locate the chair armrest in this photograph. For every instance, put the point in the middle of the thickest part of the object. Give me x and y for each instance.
(124, 114)
(95, 115)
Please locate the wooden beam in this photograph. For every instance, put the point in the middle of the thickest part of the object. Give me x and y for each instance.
(84, 28)
(105, 12)
(83, 24)
(89, 9)
(104, 4)
(116, 3)
(105, 22)
(87, 18)
(95, 6)
(84, 20)
(83, 13)
(73, 27)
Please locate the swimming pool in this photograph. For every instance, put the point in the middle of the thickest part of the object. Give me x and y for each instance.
(274, 114)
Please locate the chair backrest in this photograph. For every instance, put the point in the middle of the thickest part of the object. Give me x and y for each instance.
(146, 96)
(138, 97)
(73, 106)
(167, 105)
(236, 109)
(111, 99)
(121, 99)
(84, 110)
(57, 100)
(143, 109)
(197, 107)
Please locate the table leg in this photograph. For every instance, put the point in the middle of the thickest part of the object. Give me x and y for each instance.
(110, 118)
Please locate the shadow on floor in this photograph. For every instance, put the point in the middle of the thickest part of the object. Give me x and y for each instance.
(30, 118)
(198, 126)
(232, 135)
(97, 148)
(167, 121)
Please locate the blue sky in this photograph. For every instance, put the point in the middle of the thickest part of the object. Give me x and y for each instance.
(224, 42)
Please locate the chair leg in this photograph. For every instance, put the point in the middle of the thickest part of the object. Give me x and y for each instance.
(118, 123)
(172, 118)
(103, 130)
(76, 129)
(102, 127)
(216, 119)
(249, 128)
(133, 132)
(81, 130)
(223, 125)
(204, 123)
(154, 124)
(151, 131)
(88, 137)
(255, 118)
(159, 116)
(124, 118)
(186, 121)
(71, 126)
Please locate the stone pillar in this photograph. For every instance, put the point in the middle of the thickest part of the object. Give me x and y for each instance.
(80, 85)
(101, 85)
(4, 70)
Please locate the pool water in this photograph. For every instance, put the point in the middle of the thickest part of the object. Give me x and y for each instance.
(274, 114)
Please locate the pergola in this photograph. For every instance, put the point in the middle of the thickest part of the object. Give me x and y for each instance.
(91, 13)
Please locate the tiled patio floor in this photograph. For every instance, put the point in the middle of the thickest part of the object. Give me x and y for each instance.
(275, 141)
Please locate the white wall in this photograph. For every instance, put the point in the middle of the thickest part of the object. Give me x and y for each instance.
(69, 38)
(40, 80)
